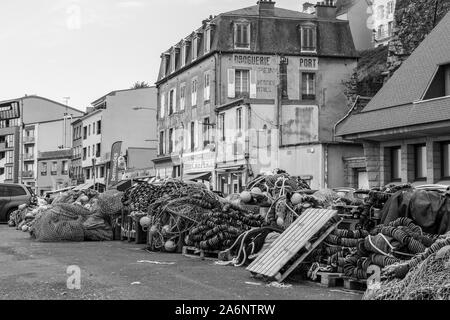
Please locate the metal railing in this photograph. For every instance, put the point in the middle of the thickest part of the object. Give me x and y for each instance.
(28, 157)
(29, 139)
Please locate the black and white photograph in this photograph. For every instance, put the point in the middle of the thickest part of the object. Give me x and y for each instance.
(224, 156)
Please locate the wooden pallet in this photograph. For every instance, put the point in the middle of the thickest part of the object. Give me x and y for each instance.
(355, 284)
(331, 279)
(198, 253)
(289, 244)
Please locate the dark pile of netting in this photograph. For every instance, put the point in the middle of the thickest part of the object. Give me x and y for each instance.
(425, 277)
(278, 185)
(221, 226)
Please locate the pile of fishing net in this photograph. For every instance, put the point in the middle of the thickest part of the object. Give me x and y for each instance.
(220, 226)
(110, 202)
(70, 222)
(425, 277)
(179, 208)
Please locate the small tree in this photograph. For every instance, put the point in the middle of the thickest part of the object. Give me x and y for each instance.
(140, 85)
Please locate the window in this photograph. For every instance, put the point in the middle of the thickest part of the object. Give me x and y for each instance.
(194, 92)
(13, 123)
(222, 126)
(194, 48)
(308, 86)
(10, 141)
(98, 153)
(54, 168)
(44, 169)
(242, 82)
(166, 63)
(85, 133)
(182, 96)
(173, 61)
(396, 163)
(65, 168)
(9, 173)
(99, 127)
(390, 28)
(239, 120)
(183, 54)
(420, 162)
(172, 101)
(102, 172)
(192, 136)
(93, 128)
(440, 85)
(84, 153)
(207, 40)
(162, 106)
(16, 191)
(390, 8)
(88, 173)
(380, 12)
(206, 87)
(242, 35)
(89, 130)
(161, 143)
(308, 39)
(206, 132)
(9, 156)
(171, 140)
(380, 31)
(89, 151)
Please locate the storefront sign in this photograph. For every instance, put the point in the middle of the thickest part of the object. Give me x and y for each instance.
(199, 163)
(309, 63)
(251, 60)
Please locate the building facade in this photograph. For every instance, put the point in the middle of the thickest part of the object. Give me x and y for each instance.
(76, 167)
(383, 13)
(53, 170)
(123, 115)
(405, 129)
(253, 90)
(28, 125)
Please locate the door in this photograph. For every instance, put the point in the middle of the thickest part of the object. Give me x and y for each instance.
(363, 180)
(4, 200)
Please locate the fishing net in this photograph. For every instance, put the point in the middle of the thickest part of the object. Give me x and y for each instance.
(430, 280)
(110, 202)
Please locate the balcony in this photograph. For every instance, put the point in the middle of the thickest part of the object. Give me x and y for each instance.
(28, 157)
(2, 145)
(29, 140)
(28, 174)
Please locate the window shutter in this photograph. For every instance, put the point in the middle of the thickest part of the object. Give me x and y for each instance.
(253, 84)
(231, 83)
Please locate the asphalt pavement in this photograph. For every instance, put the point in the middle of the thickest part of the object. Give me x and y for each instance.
(126, 271)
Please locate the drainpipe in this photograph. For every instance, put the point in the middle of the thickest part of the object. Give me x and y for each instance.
(325, 162)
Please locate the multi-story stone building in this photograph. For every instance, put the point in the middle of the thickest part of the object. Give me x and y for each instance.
(256, 89)
(123, 115)
(383, 13)
(28, 125)
(359, 14)
(405, 128)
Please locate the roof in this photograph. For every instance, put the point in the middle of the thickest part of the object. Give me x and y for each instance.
(112, 93)
(276, 34)
(42, 98)
(395, 105)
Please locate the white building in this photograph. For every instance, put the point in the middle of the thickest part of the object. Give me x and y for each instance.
(383, 21)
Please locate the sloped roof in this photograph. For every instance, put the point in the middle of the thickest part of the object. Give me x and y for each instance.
(278, 13)
(394, 106)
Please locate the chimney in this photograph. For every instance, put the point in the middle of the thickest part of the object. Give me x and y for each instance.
(266, 8)
(326, 9)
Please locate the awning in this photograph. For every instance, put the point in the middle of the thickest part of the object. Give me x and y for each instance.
(197, 176)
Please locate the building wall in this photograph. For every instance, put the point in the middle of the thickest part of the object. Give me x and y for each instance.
(140, 158)
(35, 109)
(337, 166)
(92, 138)
(77, 152)
(52, 182)
(121, 123)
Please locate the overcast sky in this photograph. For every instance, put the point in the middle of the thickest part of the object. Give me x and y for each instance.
(83, 49)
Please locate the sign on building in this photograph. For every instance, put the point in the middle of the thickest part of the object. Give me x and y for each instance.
(309, 63)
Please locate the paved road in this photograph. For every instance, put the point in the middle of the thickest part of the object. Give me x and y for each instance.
(31, 270)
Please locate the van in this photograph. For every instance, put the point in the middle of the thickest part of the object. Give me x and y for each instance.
(12, 196)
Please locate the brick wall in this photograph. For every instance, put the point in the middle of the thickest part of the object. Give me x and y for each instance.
(373, 161)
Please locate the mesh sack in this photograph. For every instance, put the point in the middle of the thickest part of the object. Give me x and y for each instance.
(97, 229)
(326, 197)
(57, 224)
(110, 202)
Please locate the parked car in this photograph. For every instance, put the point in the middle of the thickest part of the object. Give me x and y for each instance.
(12, 196)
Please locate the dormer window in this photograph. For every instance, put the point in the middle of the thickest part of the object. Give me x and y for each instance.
(194, 48)
(207, 40)
(166, 58)
(242, 35)
(440, 86)
(183, 54)
(308, 38)
(173, 61)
